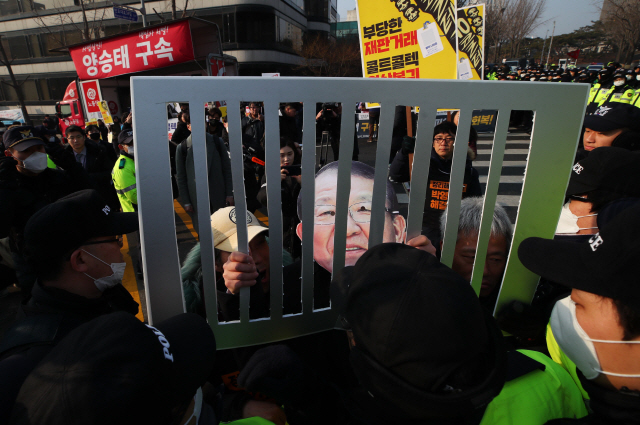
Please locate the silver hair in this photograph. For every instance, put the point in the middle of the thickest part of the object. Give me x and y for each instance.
(471, 216)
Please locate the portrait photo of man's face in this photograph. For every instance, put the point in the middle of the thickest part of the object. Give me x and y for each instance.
(359, 220)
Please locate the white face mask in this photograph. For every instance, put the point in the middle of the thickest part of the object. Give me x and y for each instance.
(575, 342)
(638, 77)
(112, 280)
(629, 77)
(36, 162)
(568, 223)
(618, 83)
(532, 79)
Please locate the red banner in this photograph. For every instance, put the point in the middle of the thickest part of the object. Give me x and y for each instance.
(141, 51)
(574, 54)
(91, 94)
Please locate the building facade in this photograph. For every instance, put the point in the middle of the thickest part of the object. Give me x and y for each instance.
(262, 34)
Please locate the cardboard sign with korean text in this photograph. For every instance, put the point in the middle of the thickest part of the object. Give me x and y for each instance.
(407, 38)
(147, 49)
(104, 111)
(471, 43)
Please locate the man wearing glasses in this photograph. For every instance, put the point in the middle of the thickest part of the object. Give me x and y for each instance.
(95, 160)
(73, 245)
(444, 135)
(239, 271)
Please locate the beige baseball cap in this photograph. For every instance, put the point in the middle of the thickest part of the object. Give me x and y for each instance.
(225, 230)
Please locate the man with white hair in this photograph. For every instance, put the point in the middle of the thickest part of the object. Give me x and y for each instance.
(467, 241)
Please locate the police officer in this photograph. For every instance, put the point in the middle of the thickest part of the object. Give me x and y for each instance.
(621, 91)
(73, 245)
(124, 173)
(124, 181)
(600, 89)
(593, 333)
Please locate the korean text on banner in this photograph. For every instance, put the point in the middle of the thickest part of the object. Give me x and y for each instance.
(471, 43)
(407, 38)
(146, 49)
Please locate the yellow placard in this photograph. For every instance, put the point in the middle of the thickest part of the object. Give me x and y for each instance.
(104, 110)
(407, 38)
(471, 42)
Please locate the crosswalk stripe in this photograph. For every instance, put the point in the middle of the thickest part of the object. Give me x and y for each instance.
(185, 218)
(263, 218)
(509, 200)
(505, 179)
(507, 152)
(504, 163)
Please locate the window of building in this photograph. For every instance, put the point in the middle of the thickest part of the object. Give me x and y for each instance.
(52, 41)
(289, 34)
(227, 24)
(44, 90)
(9, 92)
(318, 10)
(29, 90)
(254, 27)
(298, 3)
(18, 47)
(36, 48)
(9, 7)
(57, 87)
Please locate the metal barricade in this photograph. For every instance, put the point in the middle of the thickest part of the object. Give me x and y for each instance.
(554, 139)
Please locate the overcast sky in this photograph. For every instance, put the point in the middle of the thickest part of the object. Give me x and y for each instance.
(568, 14)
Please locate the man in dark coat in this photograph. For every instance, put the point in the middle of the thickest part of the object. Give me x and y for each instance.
(27, 185)
(95, 159)
(74, 248)
(218, 172)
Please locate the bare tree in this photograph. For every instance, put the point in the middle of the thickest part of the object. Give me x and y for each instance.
(621, 23)
(91, 27)
(17, 86)
(322, 57)
(510, 21)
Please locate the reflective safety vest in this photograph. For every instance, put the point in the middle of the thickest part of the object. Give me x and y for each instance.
(124, 181)
(51, 164)
(603, 95)
(559, 357)
(536, 397)
(635, 99)
(593, 92)
(623, 96)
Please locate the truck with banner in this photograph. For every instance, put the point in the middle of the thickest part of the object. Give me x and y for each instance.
(189, 46)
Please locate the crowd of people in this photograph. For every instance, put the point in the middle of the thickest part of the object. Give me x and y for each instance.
(415, 343)
(611, 84)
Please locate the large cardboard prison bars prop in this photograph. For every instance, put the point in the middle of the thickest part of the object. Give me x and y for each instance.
(554, 139)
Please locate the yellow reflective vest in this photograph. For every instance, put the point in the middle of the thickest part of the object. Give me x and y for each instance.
(559, 357)
(124, 181)
(624, 96)
(536, 397)
(635, 99)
